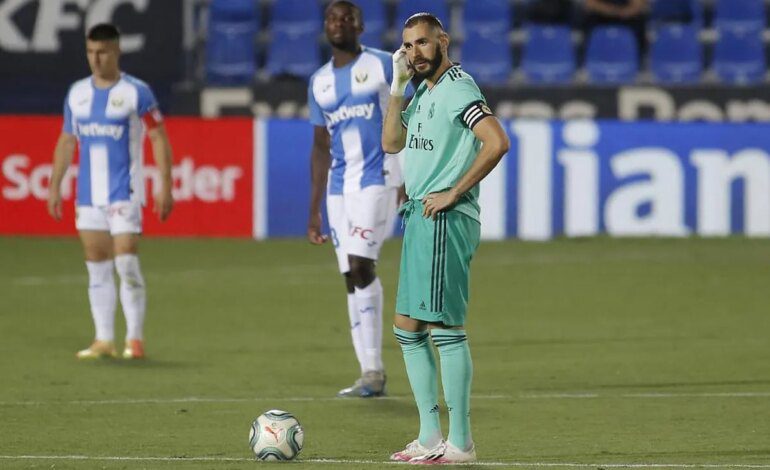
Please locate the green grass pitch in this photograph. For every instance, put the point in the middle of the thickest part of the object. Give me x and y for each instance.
(591, 353)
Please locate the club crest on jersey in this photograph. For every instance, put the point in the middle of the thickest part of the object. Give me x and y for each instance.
(361, 77)
(117, 102)
(430, 111)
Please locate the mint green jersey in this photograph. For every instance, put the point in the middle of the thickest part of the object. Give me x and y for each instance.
(440, 144)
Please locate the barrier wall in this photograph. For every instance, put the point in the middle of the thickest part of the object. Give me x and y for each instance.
(213, 178)
(239, 177)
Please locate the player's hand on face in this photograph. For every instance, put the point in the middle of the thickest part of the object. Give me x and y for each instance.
(164, 203)
(402, 73)
(314, 234)
(434, 203)
(54, 205)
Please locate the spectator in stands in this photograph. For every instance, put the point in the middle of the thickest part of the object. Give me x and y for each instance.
(550, 11)
(629, 13)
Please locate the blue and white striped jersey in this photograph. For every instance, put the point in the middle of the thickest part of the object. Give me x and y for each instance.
(110, 125)
(351, 101)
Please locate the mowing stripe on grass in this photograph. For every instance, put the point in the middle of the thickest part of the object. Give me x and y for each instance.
(531, 396)
(385, 462)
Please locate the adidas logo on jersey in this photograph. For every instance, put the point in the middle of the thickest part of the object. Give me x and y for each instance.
(101, 130)
(344, 113)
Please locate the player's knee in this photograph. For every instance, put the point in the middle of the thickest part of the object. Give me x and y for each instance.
(128, 268)
(361, 271)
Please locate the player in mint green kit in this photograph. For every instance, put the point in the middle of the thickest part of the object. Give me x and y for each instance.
(450, 146)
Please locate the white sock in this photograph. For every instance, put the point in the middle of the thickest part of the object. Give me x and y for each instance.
(101, 295)
(355, 330)
(132, 294)
(369, 303)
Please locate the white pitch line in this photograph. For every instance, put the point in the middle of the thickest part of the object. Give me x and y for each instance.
(385, 462)
(531, 396)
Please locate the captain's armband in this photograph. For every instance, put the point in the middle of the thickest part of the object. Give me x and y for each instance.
(474, 113)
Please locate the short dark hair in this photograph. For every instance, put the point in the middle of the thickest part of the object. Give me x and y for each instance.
(424, 17)
(103, 32)
(356, 9)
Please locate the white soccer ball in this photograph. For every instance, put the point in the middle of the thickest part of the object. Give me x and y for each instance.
(276, 435)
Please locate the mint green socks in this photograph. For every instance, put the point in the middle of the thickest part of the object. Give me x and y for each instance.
(421, 370)
(456, 376)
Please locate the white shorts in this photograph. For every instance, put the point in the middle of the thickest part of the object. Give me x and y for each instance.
(361, 221)
(119, 217)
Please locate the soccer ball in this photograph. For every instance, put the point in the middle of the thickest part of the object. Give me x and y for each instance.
(276, 435)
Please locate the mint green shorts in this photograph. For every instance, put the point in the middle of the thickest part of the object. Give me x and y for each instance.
(434, 279)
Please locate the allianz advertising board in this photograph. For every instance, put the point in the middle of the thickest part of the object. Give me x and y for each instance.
(584, 178)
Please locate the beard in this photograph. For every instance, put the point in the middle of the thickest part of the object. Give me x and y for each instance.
(433, 65)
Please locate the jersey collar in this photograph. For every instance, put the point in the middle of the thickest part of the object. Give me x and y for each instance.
(455, 65)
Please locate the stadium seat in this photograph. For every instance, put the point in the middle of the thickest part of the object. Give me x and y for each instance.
(487, 57)
(676, 55)
(739, 56)
(375, 22)
(296, 17)
(491, 16)
(676, 11)
(407, 8)
(548, 55)
(612, 55)
(740, 15)
(293, 54)
(230, 52)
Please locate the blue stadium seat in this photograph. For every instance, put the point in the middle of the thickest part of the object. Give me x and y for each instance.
(296, 16)
(230, 52)
(676, 11)
(487, 57)
(492, 16)
(676, 55)
(612, 55)
(740, 15)
(739, 56)
(407, 8)
(293, 54)
(375, 22)
(548, 55)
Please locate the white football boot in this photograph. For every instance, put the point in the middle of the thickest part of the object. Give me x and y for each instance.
(445, 453)
(412, 450)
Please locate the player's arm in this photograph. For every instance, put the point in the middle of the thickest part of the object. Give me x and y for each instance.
(393, 131)
(320, 161)
(495, 144)
(162, 154)
(62, 157)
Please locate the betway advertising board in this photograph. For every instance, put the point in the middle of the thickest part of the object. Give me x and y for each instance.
(239, 177)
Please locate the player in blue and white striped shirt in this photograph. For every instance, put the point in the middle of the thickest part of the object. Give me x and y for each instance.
(107, 115)
(347, 98)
